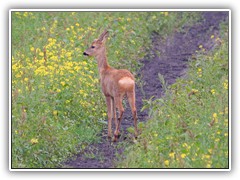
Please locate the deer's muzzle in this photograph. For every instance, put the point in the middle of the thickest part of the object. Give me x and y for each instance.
(85, 54)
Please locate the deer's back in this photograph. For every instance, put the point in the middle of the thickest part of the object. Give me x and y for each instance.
(117, 81)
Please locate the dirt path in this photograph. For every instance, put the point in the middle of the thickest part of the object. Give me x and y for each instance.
(172, 64)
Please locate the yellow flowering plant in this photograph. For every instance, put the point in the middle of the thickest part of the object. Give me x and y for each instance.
(58, 86)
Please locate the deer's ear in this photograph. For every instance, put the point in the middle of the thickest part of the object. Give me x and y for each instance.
(103, 37)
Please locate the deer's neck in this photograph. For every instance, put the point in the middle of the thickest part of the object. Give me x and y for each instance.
(102, 62)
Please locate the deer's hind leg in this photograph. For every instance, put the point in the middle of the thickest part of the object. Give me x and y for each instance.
(131, 100)
(119, 106)
(114, 112)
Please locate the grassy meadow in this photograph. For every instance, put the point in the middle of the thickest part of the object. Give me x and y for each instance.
(58, 108)
(189, 127)
(57, 104)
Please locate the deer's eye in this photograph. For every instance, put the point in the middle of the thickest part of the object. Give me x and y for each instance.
(92, 46)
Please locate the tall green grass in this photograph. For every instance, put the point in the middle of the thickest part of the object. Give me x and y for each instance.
(57, 105)
(189, 126)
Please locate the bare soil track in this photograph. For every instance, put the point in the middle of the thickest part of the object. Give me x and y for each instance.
(175, 52)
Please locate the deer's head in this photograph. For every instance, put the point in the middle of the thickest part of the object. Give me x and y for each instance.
(97, 46)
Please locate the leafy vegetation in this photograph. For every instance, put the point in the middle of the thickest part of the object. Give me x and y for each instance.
(189, 127)
(57, 105)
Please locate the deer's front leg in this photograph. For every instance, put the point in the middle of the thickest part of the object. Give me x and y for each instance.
(109, 112)
(114, 112)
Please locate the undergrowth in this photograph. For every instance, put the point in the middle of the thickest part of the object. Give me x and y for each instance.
(189, 126)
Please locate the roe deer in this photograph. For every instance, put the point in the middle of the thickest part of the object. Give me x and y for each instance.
(115, 85)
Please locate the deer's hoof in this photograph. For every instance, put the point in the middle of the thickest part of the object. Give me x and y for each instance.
(115, 139)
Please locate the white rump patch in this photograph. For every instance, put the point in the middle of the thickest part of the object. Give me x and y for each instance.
(126, 81)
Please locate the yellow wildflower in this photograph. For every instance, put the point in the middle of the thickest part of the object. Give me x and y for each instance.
(225, 84)
(196, 121)
(183, 156)
(165, 13)
(171, 155)
(210, 151)
(207, 156)
(81, 91)
(149, 161)
(194, 91)
(25, 14)
(63, 83)
(213, 91)
(166, 162)
(34, 141)
(226, 110)
(208, 166)
(55, 112)
(68, 54)
(214, 115)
